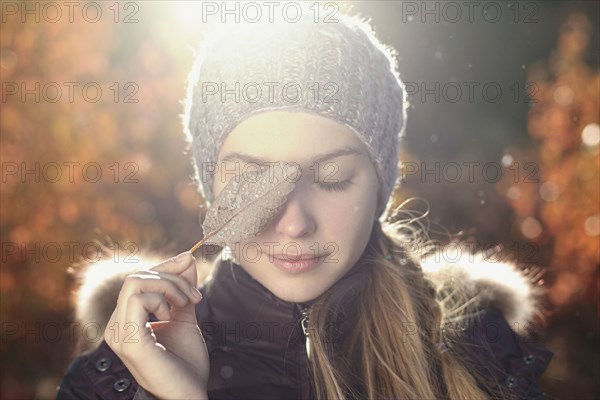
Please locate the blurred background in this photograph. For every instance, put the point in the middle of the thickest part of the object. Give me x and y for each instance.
(502, 142)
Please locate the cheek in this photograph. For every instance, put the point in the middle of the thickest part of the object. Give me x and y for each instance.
(350, 216)
(360, 202)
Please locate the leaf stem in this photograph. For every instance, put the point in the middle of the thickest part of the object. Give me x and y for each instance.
(197, 245)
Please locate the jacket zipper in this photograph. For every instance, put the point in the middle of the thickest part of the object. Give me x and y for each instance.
(303, 378)
(304, 323)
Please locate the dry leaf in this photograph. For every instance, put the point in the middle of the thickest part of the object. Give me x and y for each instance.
(247, 204)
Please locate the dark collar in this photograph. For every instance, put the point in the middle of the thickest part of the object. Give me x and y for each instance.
(255, 339)
(239, 310)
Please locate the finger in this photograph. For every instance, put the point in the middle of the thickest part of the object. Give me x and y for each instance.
(191, 274)
(143, 304)
(180, 265)
(156, 325)
(184, 314)
(131, 329)
(181, 283)
(148, 282)
(178, 280)
(176, 265)
(144, 282)
(134, 331)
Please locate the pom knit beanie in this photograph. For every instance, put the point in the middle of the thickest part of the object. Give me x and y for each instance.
(333, 66)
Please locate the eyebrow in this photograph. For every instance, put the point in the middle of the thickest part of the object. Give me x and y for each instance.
(342, 151)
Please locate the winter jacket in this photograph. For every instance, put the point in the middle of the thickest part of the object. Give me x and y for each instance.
(257, 342)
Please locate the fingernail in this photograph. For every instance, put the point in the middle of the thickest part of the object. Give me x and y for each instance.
(196, 293)
(182, 257)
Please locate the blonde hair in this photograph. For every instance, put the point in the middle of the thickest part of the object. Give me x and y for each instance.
(380, 359)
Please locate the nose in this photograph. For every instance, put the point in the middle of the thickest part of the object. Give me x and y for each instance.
(295, 219)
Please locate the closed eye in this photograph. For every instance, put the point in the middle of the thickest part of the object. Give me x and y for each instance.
(335, 186)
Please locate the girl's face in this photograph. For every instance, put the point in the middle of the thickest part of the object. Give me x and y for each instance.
(330, 213)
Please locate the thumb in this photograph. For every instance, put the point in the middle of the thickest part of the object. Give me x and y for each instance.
(190, 274)
(184, 265)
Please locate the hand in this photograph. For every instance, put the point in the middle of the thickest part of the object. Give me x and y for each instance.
(167, 358)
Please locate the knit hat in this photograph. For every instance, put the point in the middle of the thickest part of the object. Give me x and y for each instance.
(333, 66)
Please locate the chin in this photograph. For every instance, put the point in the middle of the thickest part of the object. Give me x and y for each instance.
(299, 296)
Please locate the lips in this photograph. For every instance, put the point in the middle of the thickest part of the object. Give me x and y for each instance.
(296, 264)
(293, 258)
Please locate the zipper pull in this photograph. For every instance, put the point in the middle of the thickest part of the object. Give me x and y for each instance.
(304, 323)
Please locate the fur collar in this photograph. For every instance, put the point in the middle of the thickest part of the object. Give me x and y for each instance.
(464, 281)
(472, 281)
